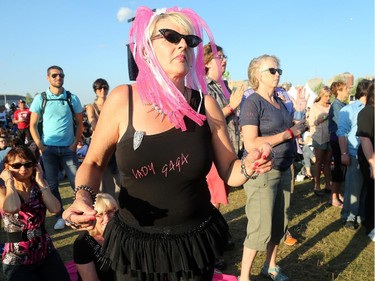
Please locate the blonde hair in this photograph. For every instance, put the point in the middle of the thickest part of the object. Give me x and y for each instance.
(104, 202)
(175, 17)
(254, 68)
(322, 92)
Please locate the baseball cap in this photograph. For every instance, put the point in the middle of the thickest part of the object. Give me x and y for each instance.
(21, 101)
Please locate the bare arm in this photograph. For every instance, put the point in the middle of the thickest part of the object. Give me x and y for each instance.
(51, 202)
(87, 271)
(79, 130)
(91, 116)
(368, 151)
(252, 139)
(10, 201)
(101, 148)
(343, 142)
(34, 120)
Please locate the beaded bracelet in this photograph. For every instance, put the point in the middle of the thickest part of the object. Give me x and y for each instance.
(85, 188)
(243, 171)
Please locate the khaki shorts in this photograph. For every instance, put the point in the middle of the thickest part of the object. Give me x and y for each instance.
(268, 200)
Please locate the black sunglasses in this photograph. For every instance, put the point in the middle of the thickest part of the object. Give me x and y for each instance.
(274, 70)
(174, 37)
(102, 87)
(62, 75)
(27, 165)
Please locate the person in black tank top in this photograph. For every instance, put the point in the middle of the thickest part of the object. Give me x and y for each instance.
(166, 134)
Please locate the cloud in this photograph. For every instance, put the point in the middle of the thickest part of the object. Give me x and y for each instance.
(124, 14)
(160, 10)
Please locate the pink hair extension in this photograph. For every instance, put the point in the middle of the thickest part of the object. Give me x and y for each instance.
(154, 86)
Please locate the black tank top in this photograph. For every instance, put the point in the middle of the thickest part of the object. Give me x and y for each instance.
(164, 179)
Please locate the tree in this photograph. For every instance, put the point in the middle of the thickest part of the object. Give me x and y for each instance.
(354, 87)
(318, 88)
(28, 98)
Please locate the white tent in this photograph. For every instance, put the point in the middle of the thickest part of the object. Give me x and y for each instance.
(293, 92)
(310, 95)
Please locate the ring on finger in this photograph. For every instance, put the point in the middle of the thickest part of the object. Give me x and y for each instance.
(73, 224)
(70, 223)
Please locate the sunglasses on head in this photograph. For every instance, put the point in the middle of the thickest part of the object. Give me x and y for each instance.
(27, 165)
(174, 37)
(274, 70)
(62, 75)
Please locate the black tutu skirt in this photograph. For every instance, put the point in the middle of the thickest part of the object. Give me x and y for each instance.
(153, 253)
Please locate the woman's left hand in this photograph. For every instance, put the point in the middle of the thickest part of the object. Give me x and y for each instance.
(260, 159)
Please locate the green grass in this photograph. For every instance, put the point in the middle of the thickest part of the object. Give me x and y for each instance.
(326, 251)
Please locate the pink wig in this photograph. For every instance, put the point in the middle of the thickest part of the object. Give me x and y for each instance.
(154, 86)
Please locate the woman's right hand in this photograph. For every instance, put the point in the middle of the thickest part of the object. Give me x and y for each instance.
(80, 215)
(299, 128)
(6, 175)
(236, 97)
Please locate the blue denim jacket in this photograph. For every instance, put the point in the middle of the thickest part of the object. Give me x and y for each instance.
(347, 126)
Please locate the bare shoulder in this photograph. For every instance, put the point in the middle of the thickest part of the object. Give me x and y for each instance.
(89, 107)
(117, 98)
(115, 110)
(211, 105)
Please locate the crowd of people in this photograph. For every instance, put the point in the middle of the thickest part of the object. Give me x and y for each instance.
(151, 163)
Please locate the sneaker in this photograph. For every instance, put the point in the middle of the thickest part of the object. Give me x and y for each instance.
(351, 225)
(60, 224)
(372, 235)
(274, 273)
(290, 240)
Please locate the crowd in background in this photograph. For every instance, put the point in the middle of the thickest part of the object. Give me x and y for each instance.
(318, 146)
(228, 135)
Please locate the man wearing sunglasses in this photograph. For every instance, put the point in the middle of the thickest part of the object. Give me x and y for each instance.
(58, 139)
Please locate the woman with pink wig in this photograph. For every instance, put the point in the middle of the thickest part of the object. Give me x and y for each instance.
(166, 134)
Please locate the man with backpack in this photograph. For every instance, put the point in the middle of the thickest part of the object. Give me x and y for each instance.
(56, 127)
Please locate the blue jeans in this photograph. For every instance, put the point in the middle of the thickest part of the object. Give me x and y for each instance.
(352, 193)
(53, 157)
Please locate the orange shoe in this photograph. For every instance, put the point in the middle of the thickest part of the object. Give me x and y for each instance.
(290, 240)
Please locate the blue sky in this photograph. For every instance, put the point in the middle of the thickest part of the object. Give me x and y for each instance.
(318, 38)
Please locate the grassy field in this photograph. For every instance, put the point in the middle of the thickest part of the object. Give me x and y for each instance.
(326, 251)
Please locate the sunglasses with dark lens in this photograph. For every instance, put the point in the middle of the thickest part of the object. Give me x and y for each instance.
(274, 70)
(174, 37)
(27, 165)
(103, 87)
(62, 75)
